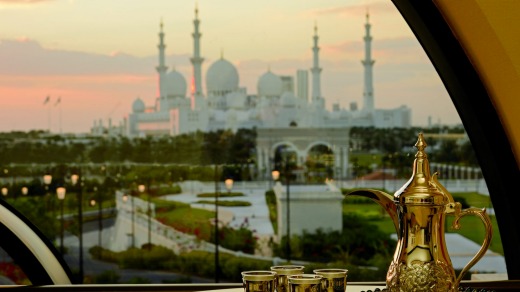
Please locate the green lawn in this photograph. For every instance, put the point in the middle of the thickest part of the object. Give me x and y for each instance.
(471, 226)
(366, 158)
(474, 199)
(184, 218)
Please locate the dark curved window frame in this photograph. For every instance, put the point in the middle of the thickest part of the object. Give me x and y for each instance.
(487, 135)
(472, 102)
(36, 271)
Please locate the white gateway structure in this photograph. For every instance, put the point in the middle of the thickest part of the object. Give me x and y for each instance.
(226, 105)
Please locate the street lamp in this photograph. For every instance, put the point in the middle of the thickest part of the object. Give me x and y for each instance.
(47, 179)
(60, 192)
(275, 174)
(76, 179)
(229, 184)
(25, 191)
(5, 191)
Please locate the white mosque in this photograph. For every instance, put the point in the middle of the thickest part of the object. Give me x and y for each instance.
(226, 105)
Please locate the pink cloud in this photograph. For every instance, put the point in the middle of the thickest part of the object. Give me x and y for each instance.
(92, 85)
(358, 9)
(83, 99)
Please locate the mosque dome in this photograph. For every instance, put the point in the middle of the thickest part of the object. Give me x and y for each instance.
(175, 84)
(221, 77)
(138, 106)
(269, 84)
(289, 100)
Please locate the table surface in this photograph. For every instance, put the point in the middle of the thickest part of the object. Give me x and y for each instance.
(350, 288)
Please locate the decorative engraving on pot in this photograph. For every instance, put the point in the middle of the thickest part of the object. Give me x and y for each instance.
(419, 276)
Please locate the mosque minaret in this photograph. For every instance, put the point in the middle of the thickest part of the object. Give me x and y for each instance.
(368, 63)
(161, 68)
(316, 71)
(225, 104)
(196, 61)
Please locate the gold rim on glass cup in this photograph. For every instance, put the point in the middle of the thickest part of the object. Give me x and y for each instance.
(305, 283)
(259, 281)
(334, 280)
(283, 271)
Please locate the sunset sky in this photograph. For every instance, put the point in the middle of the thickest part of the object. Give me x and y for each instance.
(97, 56)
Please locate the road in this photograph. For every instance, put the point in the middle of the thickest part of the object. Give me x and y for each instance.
(93, 268)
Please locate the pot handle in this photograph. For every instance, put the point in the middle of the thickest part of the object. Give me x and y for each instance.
(481, 213)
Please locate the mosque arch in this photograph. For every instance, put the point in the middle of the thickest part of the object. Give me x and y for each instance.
(289, 144)
(319, 162)
(301, 141)
(315, 143)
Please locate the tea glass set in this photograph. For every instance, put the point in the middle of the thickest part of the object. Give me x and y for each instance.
(291, 278)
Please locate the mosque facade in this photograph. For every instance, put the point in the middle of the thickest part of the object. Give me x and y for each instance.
(280, 101)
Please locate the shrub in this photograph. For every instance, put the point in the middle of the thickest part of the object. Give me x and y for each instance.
(221, 195)
(139, 280)
(241, 239)
(178, 280)
(226, 203)
(357, 244)
(156, 258)
(270, 199)
(462, 201)
(172, 190)
(107, 277)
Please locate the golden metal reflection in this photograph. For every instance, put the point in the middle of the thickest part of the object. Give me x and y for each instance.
(418, 209)
(259, 281)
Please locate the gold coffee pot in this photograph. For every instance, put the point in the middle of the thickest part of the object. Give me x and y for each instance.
(421, 261)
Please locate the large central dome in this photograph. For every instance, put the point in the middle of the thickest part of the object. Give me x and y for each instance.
(175, 84)
(221, 78)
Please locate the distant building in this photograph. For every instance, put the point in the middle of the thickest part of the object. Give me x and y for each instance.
(227, 105)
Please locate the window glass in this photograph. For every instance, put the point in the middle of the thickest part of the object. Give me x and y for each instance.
(131, 120)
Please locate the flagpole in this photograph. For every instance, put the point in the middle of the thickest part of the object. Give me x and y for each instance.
(47, 102)
(58, 103)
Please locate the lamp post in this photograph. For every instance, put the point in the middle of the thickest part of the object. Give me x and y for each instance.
(217, 189)
(276, 176)
(5, 191)
(100, 221)
(60, 192)
(47, 179)
(25, 191)
(76, 179)
(288, 181)
(142, 189)
(125, 199)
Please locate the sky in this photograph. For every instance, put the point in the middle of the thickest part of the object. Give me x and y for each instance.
(93, 58)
